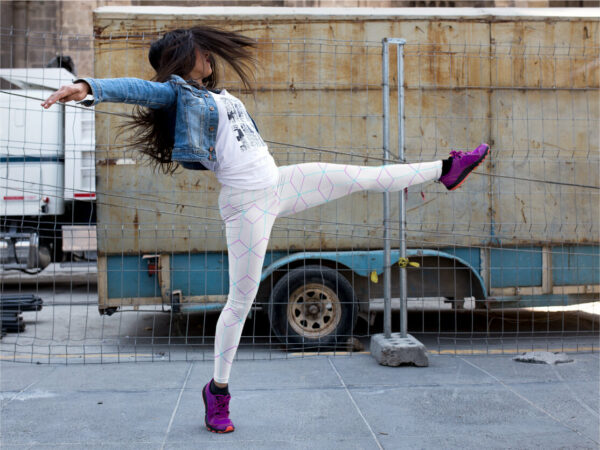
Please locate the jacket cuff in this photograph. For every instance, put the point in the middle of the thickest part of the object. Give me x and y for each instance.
(95, 91)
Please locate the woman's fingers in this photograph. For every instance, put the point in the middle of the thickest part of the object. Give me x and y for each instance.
(54, 98)
(58, 95)
(66, 94)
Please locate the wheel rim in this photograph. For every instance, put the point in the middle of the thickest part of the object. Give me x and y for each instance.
(314, 310)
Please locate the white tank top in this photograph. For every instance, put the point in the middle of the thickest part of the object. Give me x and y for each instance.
(243, 158)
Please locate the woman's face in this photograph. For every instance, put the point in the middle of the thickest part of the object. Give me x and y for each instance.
(202, 69)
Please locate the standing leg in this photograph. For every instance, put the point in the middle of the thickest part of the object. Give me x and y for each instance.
(249, 217)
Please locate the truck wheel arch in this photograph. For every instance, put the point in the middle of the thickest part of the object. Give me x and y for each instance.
(455, 276)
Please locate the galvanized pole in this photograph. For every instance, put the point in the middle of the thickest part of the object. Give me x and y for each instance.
(404, 193)
(387, 280)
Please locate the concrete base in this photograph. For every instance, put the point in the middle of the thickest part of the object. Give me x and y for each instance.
(397, 350)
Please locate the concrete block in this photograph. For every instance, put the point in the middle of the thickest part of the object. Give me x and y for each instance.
(397, 350)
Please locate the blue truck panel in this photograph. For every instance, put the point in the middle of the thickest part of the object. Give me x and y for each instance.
(127, 276)
(207, 273)
(575, 265)
(520, 266)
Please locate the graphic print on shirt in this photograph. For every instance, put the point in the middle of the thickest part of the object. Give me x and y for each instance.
(243, 128)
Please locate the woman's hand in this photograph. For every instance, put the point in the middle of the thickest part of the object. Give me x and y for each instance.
(77, 91)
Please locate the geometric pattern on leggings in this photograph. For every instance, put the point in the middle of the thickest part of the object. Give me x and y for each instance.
(308, 185)
(249, 216)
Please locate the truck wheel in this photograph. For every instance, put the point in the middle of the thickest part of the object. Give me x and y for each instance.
(313, 306)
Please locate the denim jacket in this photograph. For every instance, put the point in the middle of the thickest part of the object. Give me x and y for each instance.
(193, 112)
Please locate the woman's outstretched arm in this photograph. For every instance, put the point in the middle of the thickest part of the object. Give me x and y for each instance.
(117, 90)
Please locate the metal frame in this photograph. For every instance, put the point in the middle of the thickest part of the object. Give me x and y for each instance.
(387, 319)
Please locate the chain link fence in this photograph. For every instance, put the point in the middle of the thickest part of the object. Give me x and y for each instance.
(131, 265)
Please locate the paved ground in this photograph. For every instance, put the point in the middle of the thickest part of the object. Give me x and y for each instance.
(319, 402)
(473, 395)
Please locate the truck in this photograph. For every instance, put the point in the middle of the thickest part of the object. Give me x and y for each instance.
(523, 234)
(47, 173)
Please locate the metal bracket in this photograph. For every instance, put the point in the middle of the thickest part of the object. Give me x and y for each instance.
(399, 41)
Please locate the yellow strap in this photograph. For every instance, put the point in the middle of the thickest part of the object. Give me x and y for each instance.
(404, 262)
(374, 277)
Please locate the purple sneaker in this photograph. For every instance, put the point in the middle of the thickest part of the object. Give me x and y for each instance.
(462, 165)
(217, 411)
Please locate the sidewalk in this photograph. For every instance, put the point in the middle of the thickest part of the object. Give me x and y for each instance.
(322, 402)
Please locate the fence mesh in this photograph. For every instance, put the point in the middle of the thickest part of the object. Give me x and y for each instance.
(135, 262)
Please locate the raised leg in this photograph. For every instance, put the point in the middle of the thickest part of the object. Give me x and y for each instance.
(303, 186)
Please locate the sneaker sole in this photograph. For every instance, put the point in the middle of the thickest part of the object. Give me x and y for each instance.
(469, 170)
(229, 429)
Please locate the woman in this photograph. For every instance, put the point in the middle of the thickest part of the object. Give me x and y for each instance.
(190, 123)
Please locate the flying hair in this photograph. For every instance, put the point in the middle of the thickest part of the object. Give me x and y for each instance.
(174, 54)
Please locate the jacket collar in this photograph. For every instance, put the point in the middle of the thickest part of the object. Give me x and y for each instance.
(190, 86)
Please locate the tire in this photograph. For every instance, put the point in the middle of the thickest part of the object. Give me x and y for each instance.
(330, 316)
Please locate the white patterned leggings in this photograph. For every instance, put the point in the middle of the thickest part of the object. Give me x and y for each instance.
(249, 216)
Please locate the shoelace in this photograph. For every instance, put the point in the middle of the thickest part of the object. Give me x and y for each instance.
(457, 154)
(221, 406)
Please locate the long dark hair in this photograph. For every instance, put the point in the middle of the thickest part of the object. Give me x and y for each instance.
(174, 53)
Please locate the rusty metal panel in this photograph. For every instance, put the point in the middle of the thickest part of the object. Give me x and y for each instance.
(546, 136)
(549, 54)
(436, 121)
(318, 85)
(143, 211)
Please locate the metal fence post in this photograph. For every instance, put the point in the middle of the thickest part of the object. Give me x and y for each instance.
(387, 280)
(404, 193)
(387, 286)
